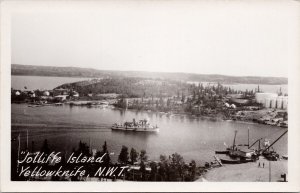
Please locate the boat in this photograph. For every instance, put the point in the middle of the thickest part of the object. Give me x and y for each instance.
(240, 153)
(227, 161)
(285, 157)
(35, 106)
(237, 161)
(222, 152)
(141, 126)
(269, 152)
(271, 155)
(103, 104)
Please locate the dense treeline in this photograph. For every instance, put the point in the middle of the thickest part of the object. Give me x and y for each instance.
(129, 87)
(139, 167)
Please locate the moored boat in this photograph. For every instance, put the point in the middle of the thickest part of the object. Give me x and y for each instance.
(285, 157)
(236, 161)
(222, 152)
(228, 161)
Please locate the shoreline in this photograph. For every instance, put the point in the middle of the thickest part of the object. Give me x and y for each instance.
(213, 117)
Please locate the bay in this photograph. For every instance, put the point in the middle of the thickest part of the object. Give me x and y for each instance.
(192, 137)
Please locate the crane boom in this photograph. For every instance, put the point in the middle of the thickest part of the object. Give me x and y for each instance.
(255, 142)
(274, 141)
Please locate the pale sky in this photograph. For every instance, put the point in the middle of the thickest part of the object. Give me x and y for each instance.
(169, 36)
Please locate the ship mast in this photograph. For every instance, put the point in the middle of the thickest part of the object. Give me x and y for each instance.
(19, 146)
(27, 139)
(234, 139)
(248, 139)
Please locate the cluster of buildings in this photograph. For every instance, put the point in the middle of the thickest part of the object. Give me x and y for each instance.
(58, 95)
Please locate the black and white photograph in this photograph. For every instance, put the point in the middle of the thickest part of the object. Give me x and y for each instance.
(150, 91)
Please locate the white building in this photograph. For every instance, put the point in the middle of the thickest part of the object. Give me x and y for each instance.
(61, 97)
(261, 97)
(75, 94)
(46, 93)
(272, 100)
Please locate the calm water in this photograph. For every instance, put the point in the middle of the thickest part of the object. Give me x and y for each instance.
(263, 87)
(193, 138)
(41, 82)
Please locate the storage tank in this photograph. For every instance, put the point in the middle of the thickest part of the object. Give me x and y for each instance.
(285, 102)
(279, 103)
(267, 103)
(273, 103)
(261, 97)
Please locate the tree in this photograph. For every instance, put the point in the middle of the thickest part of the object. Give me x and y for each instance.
(193, 169)
(45, 148)
(104, 147)
(162, 170)
(143, 170)
(194, 95)
(182, 98)
(133, 155)
(143, 156)
(163, 158)
(123, 157)
(106, 160)
(154, 170)
(168, 102)
(177, 164)
(83, 148)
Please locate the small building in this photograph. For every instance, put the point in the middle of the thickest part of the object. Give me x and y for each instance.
(233, 106)
(243, 152)
(75, 94)
(227, 105)
(61, 97)
(46, 93)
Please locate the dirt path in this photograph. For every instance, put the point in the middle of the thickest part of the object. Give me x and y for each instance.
(248, 172)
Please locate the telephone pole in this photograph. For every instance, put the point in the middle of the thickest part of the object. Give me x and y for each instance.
(269, 171)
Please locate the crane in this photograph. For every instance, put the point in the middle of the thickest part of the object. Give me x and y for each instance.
(267, 148)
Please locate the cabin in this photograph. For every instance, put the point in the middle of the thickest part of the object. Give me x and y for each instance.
(243, 152)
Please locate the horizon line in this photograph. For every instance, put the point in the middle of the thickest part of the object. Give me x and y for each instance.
(153, 71)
